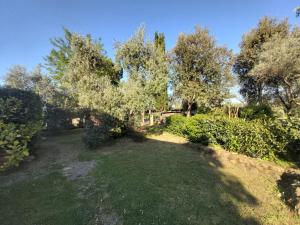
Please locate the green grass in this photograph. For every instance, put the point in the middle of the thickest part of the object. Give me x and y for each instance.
(169, 186)
(150, 182)
(49, 200)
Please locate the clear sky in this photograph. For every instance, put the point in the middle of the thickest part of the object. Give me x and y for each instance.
(27, 25)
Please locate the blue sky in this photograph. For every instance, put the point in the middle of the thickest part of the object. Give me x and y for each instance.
(27, 25)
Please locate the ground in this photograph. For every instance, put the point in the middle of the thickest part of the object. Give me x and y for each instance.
(161, 179)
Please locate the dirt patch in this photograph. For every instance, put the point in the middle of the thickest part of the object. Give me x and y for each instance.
(77, 169)
(52, 154)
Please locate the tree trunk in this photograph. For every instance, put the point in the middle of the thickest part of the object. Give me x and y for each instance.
(188, 114)
(143, 119)
(151, 118)
(161, 119)
(237, 112)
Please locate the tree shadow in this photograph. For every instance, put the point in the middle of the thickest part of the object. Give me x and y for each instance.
(202, 190)
(288, 184)
(174, 183)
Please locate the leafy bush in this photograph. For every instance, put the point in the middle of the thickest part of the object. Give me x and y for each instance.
(14, 143)
(253, 138)
(20, 107)
(57, 118)
(20, 122)
(252, 112)
(101, 129)
(287, 135)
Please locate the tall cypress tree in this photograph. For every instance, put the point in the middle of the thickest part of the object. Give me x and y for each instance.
(159, 41)
(162, 99)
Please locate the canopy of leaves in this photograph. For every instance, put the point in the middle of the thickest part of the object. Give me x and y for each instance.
(278, 69)
(251, 47)
(59, 56)
(91, 77)
(19, 106)
(202, 70)
(147, 69)
(18, 77)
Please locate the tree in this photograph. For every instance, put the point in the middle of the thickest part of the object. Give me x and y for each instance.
(58, 59)
(159, 41)
(278, 70)
(18, 77)
(133, 55)
(59, 56)
(91, 77)
(201, 69)
(162, 97)
(146, 67)
(251, 47)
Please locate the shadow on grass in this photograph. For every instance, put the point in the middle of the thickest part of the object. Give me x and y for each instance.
(145, 182)
(158, 182)
(288, 184)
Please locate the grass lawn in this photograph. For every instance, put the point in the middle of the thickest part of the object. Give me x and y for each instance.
(160, 180)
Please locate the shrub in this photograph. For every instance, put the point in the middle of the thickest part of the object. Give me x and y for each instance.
(253, 138)
(14, 143)
(20, 107)
(252, 112)
(287, 135)
(20, 123)
(57, 118)
(101, 129)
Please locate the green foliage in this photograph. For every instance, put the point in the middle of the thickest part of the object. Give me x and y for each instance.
(59, 56)
(278, 70)
(262, 139)
(251, 112)
(251, 47)
(100, 129)
(13, 145)
(287, 135)
(202, 70)
(18, 77)
(20, 107)
(147, 66)
(20, 122)
(15, 142)
(159, 41)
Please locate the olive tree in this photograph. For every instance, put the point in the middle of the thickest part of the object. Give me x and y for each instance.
(18, 77)
(250, 49)
(91, 77)
(278, 70)
(201, 69)
(147, 69)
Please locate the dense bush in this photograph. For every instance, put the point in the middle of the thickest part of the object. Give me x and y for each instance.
(20, 122)
(15, 141)
(20, 107)
(57, 118)
(100, 129)
(251, 112)
(287, 135)
(253, 138)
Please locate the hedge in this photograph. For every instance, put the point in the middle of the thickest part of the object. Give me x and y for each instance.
(257, 138)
